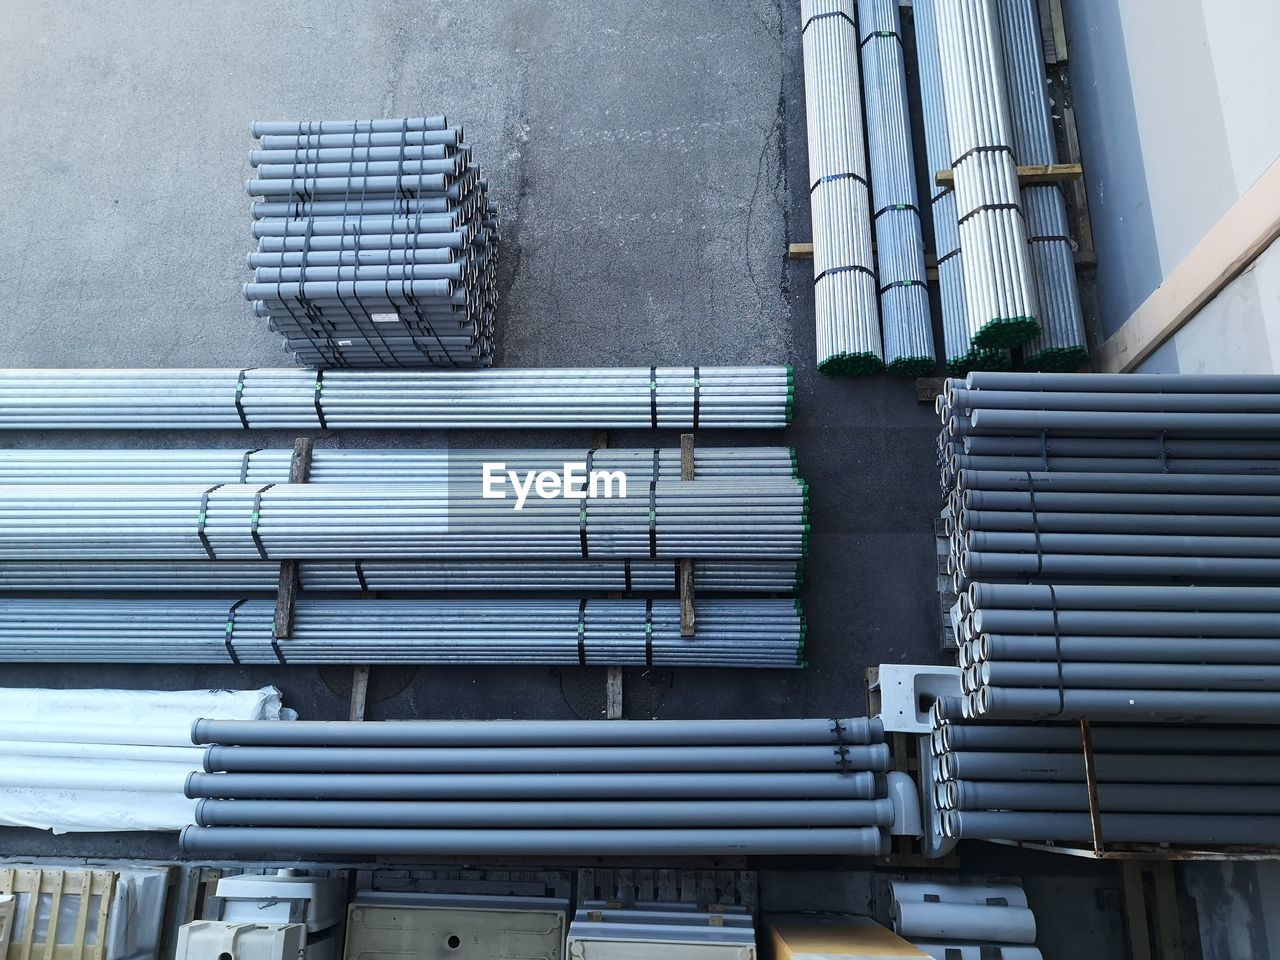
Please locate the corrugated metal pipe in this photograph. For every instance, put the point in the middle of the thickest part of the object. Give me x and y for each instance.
(527, 788)
(377, 243)
(229, 398)
(845, 294)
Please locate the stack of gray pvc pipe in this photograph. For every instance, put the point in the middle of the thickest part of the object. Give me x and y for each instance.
(1179, 784)
(733, 633)
(534, 788)
(159, 398)
(660, 928)
(904, 293)
(845, 295)
(1134, 653)
(237, 577)
(377, 243)
(1061, 344)
(697, 519)
(966, 921)
(1000, 293)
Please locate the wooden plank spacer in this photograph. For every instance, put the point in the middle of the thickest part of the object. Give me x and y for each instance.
(688, 625)
(287, 587)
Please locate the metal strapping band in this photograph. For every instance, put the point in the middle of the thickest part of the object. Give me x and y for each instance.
(626, 575)
(857, 267)
(896, 206)
(1049, 238)
(231, 629)
(648, 632)
(653, 397)
(947, 256)
(201, 519)
(244, 464)
(992, 148)
(832, 177)
(254, 517)
(697, 389)
(653, 520)
(901, 283)
(879, 35)
(244, 419)
(319, 409)
(986, 207)
(823, 16)
(364, 584)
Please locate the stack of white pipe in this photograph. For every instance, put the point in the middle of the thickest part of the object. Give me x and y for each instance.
(966, 921)
(108, 760)
(904, 294)
(1061, 344)
(1000, 293)
(844, 275)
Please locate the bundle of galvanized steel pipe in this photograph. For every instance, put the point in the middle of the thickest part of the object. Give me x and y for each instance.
(904, 293)
(377, 243)
(1000, 292)
(965, 921)
(1167, 784)
(527, 788)
(1134, 653)
(236, 577)
(388, 465)
(736, 633)
(228, 398)
(1061, 343)
(761, 519)
(845, 294)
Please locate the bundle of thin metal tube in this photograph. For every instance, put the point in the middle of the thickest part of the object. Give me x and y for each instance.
(734, 633)
(845, 294)
(965, 921)
(1165, 784)
(697, 519)
(959, 353)
(904, 294)
(236, 577)
(1115, 545)
(386, 465)
(1000, 293)
(528, 788)
(377, 243)
(228, 398)
(1061, 343)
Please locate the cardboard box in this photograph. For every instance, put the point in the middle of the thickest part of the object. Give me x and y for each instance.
(825, 936)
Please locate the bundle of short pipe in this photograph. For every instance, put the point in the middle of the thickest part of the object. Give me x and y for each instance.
(228, 398)
(731, 519)
(1133, 653)
(736, 633)
(1061, 343)
(388, 465)
(533, 788)
(1166, 784)
(1109, 424)
(377, 243)
(904, 294)
(845, 294)
(1000, 292)
(966, 921)
(236, 577)
(959, 353)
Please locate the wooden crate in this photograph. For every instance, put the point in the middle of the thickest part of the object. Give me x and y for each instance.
(85, 895)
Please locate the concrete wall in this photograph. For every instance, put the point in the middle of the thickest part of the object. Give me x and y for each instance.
(1176, 123)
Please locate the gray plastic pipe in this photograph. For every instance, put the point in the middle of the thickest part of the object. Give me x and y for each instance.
(515, 733)
(621, 814)
(911, 891)
(854, 785)
(963, 921)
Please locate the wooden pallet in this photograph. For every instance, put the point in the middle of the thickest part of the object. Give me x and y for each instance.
(92, 892)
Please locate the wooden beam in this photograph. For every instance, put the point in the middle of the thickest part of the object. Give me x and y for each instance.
(1135, 911)
(800, 251)
(1225, 252)
(613, 693)
(359, 691)
(1039, 173)
(687, 621)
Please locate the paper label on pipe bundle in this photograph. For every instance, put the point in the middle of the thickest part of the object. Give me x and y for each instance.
(385, 317)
